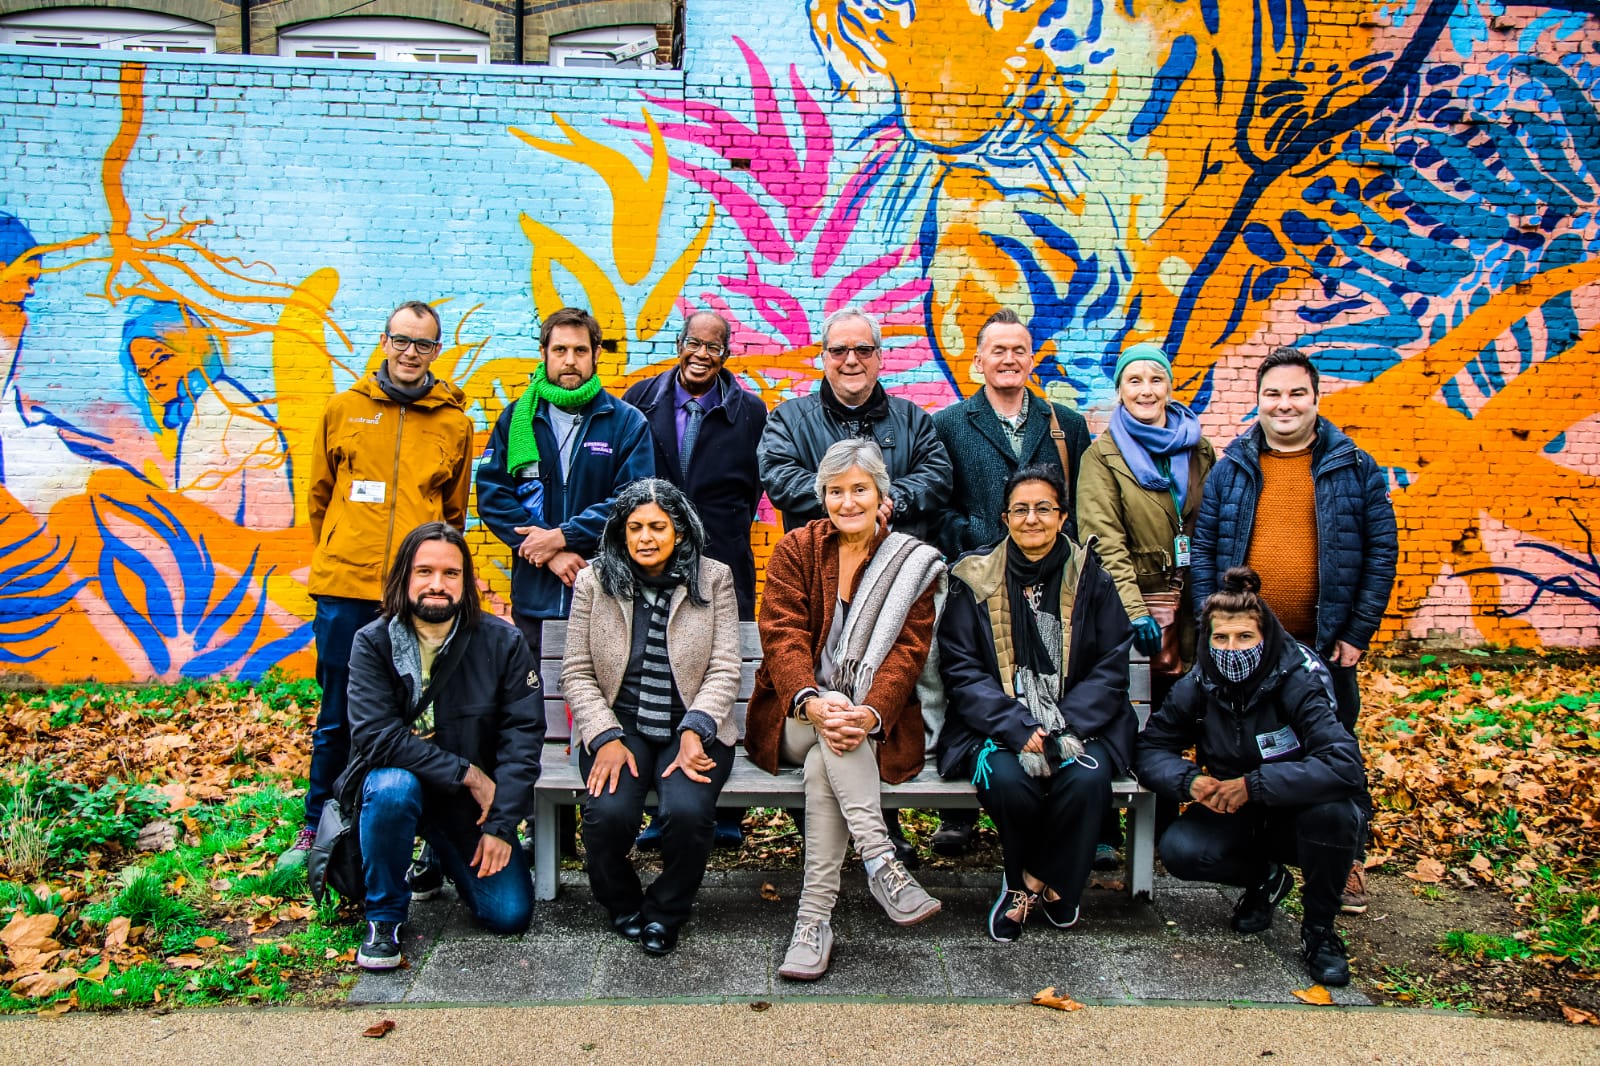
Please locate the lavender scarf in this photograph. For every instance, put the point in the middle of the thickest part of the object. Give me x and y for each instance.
(1141, 445)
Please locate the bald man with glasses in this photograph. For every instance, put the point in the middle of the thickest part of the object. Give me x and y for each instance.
(850, 402)
(392, 452)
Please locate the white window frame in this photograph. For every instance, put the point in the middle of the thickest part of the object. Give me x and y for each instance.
(384, 40)
(111, 29)
(606, 47)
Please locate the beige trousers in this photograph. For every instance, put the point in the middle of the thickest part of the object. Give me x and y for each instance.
(843, 800)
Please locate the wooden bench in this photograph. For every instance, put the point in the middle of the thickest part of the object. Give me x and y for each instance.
(561, 785)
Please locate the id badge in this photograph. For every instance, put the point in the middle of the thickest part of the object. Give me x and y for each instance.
(1180, 550)
(367, 491)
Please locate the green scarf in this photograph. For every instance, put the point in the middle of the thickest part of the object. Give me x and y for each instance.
(522, 446)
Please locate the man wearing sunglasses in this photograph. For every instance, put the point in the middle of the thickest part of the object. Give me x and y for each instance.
(392, 452)
(851, 403)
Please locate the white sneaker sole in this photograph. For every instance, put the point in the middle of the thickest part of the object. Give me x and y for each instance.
(379, 963)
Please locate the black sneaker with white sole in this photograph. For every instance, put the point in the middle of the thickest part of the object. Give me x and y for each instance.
(381, 949)
(425, 877)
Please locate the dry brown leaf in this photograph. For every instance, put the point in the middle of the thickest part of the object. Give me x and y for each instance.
(769, 892)
(100, 972)
(262, 922)
(1316, 995)
(297, 912)
(186, 962)
(58, 1008)
(177, 796)
(1429, 871)
(39, 985)
(379, 1031)
(1579, 1016)
(1047, 997)
(159, 835)
(30, 932)
(206, 941)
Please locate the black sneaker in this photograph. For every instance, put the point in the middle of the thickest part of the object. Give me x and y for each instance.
(1055, 910)
(1003, 928)
(425, 877)
(1253, 912)
(381, 949)
(1325, 954)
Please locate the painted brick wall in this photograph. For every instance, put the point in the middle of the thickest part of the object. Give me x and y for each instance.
(1409, 198)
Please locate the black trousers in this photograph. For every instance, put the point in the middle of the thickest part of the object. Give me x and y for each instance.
(688, 816)
(1048, 826)
(1347, 708)
(1237, 849)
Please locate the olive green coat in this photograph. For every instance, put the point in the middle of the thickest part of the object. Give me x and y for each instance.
(1134, 526)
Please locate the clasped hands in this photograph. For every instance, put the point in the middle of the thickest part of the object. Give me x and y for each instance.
(492, 853)
(1224, 797)
(548, 548)
(606, 773)
(842, 725)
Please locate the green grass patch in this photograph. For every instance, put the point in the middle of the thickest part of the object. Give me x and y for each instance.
(1466, 945)
(1418, 990)
(1562, 920)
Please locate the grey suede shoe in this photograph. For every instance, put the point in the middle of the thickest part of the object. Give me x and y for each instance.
(810, 950)
(902, 899)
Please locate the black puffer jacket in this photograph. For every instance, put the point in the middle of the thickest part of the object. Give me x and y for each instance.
(1095, 703)
(1357, 543)
(488, 709)
(1286, 708)
(800, 430)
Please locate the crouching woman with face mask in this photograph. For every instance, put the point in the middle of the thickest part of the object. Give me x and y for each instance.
(1275, 780)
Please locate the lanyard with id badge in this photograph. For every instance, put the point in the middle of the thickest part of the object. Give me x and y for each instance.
(1181, 556)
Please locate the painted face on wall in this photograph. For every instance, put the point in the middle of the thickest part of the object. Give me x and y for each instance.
(851, 361)
(163, 362)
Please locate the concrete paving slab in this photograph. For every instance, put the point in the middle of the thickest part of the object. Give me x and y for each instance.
(1017, 970)
(729, 967)
(507, 970)
(876, 968)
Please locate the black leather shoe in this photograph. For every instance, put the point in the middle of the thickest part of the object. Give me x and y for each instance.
(628, 926)
(657, 939)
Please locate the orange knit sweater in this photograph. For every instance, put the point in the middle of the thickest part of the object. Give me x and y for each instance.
(1283, 544)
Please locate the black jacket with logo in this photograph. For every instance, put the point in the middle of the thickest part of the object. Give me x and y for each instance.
(1309, 757)
(488, 709)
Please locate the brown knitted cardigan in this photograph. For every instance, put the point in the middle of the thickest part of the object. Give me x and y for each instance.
(796, 613)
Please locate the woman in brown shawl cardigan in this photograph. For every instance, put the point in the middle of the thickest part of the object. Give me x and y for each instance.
(846, 622)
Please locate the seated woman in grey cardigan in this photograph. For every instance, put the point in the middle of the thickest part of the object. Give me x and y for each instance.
(651, 673)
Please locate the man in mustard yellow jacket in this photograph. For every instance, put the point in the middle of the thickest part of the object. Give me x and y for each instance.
(392, 453)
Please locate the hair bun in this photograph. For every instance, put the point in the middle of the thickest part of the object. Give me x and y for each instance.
(1241, 579)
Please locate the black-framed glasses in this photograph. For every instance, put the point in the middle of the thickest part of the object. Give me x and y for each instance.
(695, 344)
(1021, 511)
(400, 342)
(838, 352)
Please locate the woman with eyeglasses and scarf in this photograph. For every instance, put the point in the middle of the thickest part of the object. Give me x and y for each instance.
(1033, 649)
(1275, 780)
(651, 673)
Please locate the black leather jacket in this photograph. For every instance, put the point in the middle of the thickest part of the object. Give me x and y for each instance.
(799, 431)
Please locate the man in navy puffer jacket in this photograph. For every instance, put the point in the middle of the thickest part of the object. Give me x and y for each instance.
(1295, 499)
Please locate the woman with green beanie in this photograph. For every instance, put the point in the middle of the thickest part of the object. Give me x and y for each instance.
(1139, 495)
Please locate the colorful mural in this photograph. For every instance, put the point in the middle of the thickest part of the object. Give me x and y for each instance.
(195, 257)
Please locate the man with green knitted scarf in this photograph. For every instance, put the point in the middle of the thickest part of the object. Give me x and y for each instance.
(555, 461)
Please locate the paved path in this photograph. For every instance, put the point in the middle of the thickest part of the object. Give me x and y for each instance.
(804, 1034)
(1178, 949)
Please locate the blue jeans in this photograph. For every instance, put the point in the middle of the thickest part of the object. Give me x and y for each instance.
(334, 627)
(395, 810)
